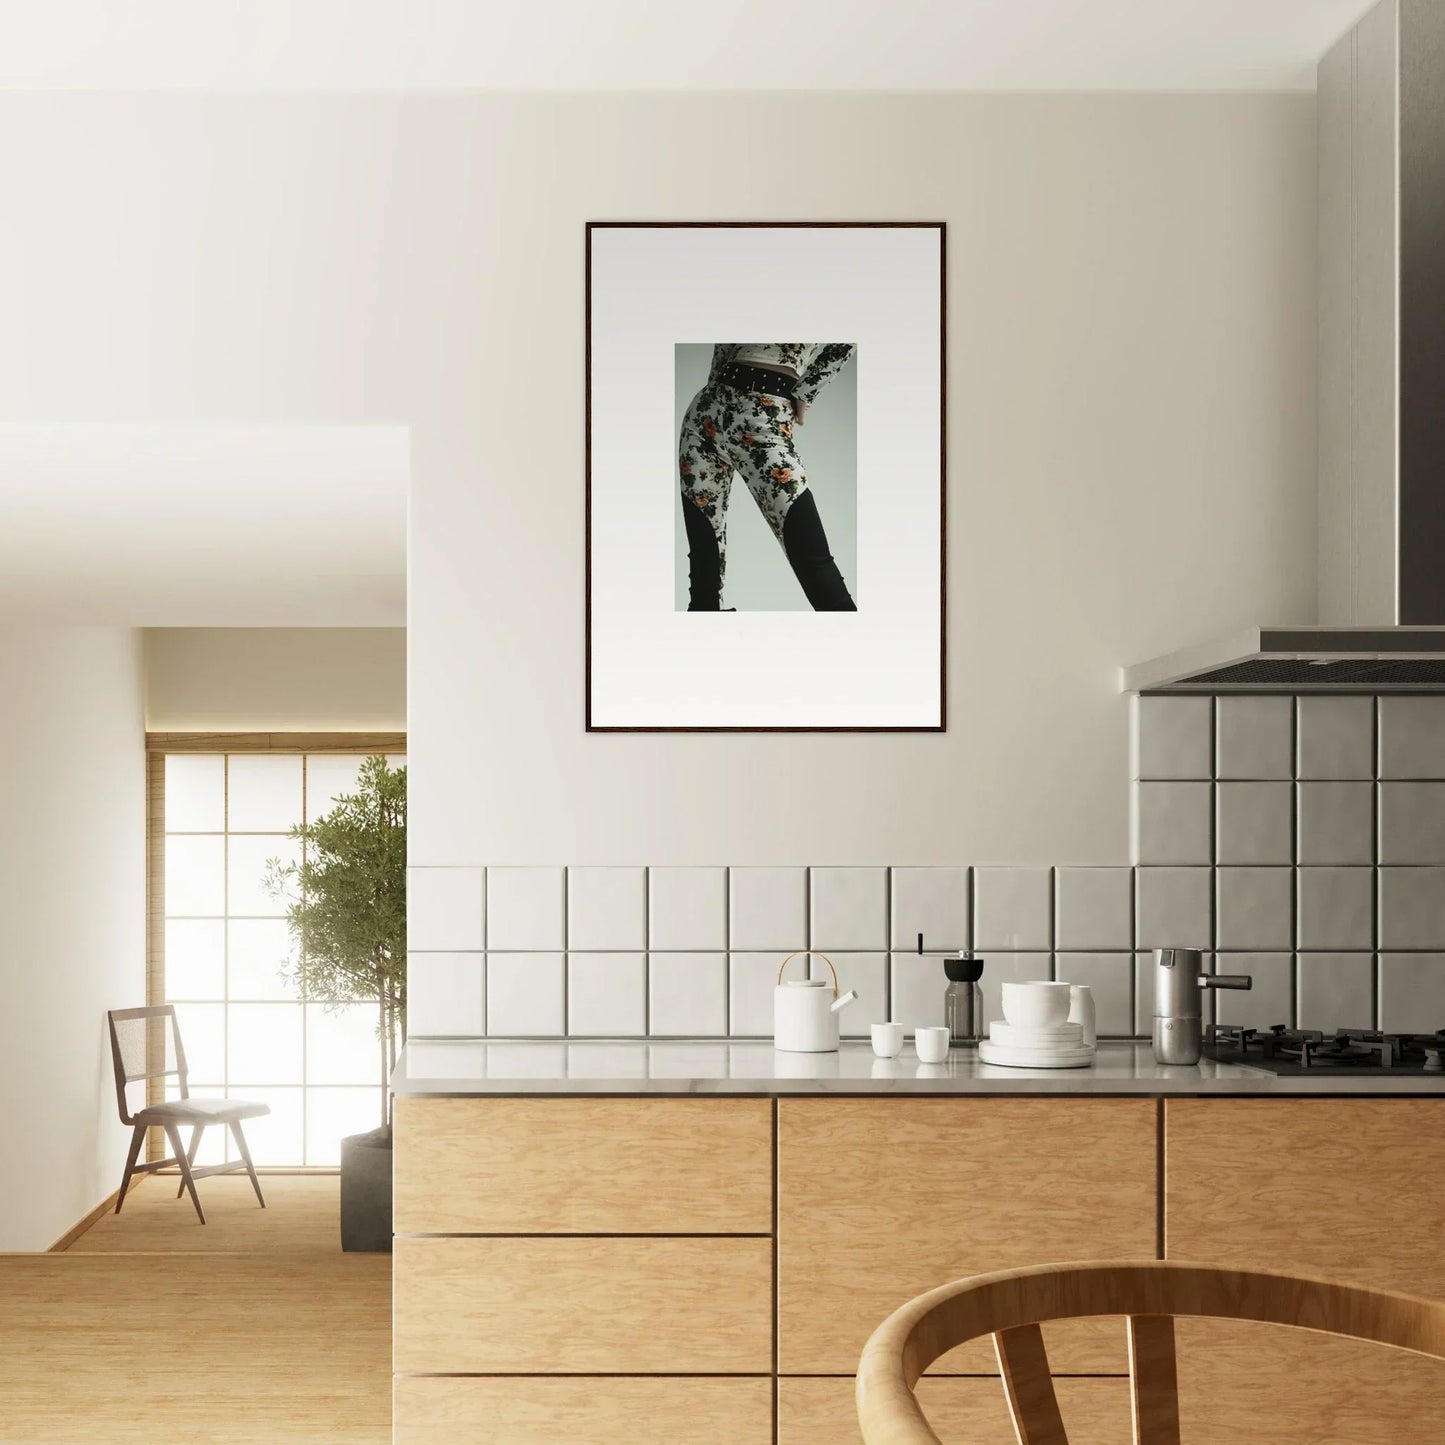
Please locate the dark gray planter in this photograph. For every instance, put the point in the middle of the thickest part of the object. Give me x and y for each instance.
(366, 1192)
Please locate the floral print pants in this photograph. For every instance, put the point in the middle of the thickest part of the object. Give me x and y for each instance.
(750, 433)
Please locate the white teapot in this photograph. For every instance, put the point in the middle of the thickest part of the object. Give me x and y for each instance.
(805, 1011)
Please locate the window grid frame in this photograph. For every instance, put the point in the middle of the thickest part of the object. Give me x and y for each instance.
(160, 746)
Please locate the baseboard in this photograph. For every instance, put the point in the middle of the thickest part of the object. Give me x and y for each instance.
(100, 1210)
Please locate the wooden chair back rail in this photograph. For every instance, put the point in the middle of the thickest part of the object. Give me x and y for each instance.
(1011, 1305)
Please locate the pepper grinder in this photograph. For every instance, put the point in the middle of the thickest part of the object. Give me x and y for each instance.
(963, 999)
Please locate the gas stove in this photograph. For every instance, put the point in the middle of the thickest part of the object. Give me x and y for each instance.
(1282, 1050)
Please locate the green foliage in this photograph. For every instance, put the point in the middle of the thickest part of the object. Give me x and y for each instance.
(346, 900)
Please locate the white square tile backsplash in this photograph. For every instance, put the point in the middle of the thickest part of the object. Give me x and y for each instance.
(445, 909)
(848, 908)
(768, 908)
(606, 908)
(688, 908)
(526, 909)
(933, 902)
(1318, 824)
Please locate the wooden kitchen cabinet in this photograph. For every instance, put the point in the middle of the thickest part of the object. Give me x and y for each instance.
(971, 1411)
(583, 1166)
(583, 1411)
(1348, 1189)
(583, 1306)
(881, 1199)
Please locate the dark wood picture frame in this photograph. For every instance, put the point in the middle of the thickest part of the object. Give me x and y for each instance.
(942, 228)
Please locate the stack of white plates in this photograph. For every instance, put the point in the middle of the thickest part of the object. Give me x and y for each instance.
(1054, 1046)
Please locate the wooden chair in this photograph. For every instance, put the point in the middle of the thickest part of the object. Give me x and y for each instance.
(1011, 1305)
(145, 1043)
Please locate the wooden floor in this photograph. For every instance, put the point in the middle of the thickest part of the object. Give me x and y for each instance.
(251, 1330)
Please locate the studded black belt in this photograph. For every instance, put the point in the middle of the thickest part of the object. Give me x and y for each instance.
(759, 379)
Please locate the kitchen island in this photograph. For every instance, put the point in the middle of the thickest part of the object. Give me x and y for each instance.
(640, 1242)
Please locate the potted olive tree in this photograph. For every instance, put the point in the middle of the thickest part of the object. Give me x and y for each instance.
(346, 907)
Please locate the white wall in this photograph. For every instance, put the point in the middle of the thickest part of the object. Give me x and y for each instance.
(72, 897)
(1131, 411)
(294, 679)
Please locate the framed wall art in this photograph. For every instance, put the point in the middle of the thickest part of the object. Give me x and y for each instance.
(765, 517)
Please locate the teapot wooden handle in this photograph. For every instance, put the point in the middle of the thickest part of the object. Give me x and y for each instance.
(811, 953)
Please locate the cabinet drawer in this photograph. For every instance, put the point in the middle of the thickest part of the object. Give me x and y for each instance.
(583, 1306)
(606, 1410)
(879, 1200)
(583, 1166)
(822, 1411)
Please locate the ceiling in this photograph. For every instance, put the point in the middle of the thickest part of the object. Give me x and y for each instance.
(160, 526)
(338, 45)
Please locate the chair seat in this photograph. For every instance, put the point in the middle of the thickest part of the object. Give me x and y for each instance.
(201, 1111)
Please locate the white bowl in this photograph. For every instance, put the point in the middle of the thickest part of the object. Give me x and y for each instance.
(1035, 1004)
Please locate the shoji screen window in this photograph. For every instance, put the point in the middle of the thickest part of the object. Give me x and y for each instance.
(229, 960)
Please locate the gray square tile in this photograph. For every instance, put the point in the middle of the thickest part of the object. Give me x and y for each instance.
(1336, 908)
(849, 907)
(525, 910)
(1172, 737)
(607, 908)
(1412, 992)
(768, 908)
(1336, 822)
(1254, 909)
(1094, 908)
(1253, 822)
(1412, 737)
(916, 996)
(1111, 978)
(687, 909)
(933, 902)
(1412, 908)
(1011, 968)
(1144, 994)
(607, 994)
(446, 995)
(1336, 991)
(687, 994)
(525, 995)
(1412, 822)
(1336, 737)
(1268, 1000)
(752, 977)
(1254, 737)
(1012, 908)
(1172, 824)
(1173, 908)
(867, 973)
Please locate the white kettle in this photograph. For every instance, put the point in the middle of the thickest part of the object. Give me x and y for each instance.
(805, 1011)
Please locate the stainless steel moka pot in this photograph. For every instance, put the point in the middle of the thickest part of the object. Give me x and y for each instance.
(1179, 984)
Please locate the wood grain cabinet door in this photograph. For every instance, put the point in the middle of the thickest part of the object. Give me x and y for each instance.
(583, 1166)
(881, 1199)
(1348, 1189)
(583, 1410)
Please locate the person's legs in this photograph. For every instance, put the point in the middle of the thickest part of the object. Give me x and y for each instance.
(760, 445)
(706, 478)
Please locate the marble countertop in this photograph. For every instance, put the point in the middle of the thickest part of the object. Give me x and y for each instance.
(746, 1066)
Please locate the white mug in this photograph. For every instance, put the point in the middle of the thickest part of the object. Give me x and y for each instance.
(887, 1040)
(932, 1044)
(1081, 1011)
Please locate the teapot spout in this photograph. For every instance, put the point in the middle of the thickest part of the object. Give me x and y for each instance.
(841, 1003)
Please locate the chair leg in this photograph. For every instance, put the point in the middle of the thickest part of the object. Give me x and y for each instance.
(137, 1138)
(191, 1154)
(173, 1133)
(246, 1155)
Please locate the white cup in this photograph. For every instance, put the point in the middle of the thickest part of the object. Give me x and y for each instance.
(932, 1044)
(887, 1040)
(1081, 1011)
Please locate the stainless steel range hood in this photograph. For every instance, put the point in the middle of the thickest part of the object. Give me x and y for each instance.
(1381, 385)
